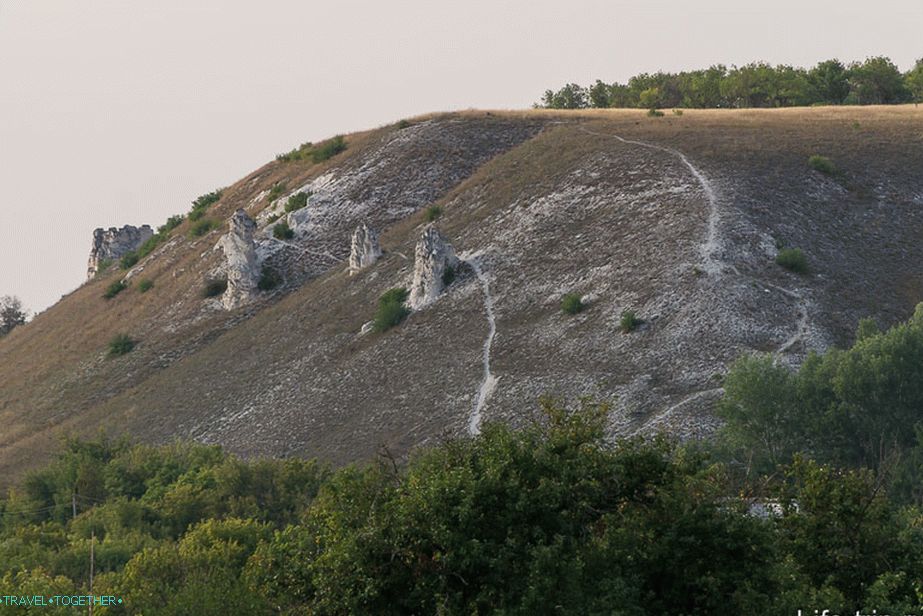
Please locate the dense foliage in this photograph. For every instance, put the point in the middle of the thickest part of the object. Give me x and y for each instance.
(546, 519)
(875, 81)
(12, 314)
(391, 309)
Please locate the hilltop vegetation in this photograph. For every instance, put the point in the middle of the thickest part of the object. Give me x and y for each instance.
(512, 521)
(876, 81)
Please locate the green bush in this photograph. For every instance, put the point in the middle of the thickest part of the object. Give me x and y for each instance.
(172, 223)
(432, 213)
(120, 345)
(269, 279)
(215, 287)
(391, 310)
(201, 204)
(276, 191)
(302, 152)
(115, 288)
(655, 113)
(629, 321)
(102, 266)
(296, 202)
(403, 124)
(145, 285)
(571, 303)
(282, 231)
(202, 227)
(793, 259)
(328, 149)
(129, 260)
(822, 164)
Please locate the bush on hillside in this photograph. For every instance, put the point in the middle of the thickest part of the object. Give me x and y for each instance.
(822, 164)
(277, 190)
(793, 259)
(269, 279)
(115, 288)
(145, 285)
(128, 260)
(391, 310)
(120, 345)
(282, 231)
(432, 213)
(328, 149)
(296, 201)
(571, 303)
(629, 321)
(203, 227)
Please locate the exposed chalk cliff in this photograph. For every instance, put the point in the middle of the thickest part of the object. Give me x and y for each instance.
(243, 266)
(365, 249)
(114, 243)
(433, 257)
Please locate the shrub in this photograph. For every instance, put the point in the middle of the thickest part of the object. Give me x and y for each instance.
(201, 204)
(215, 287)
(793, 259)
(571, 303)
(273, 218)
(391, 310)
(654, 113)
(822, 164)
(302, 152)
(115, 288)
(432, 213)
(629, 321)
(296, 202)
(448, 276)
(103, 265)
(120, 345)
(276, 191)
(129, 260)
(145, 285)
(282, 231)
(403, 124)
(269, 279)
(328, 149)
(677, 112)
(201, 227)
(172, 223)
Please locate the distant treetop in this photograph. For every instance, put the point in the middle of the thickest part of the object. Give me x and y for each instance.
(875, 81)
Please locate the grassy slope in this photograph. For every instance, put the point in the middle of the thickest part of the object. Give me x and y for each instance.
(55, 376)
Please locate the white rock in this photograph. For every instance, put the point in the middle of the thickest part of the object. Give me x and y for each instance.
(433, 256)
(365, 249)
(111, 244)
(243, 266)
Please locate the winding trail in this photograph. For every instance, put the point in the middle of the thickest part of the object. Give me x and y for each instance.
(714, 266)
(489, 381)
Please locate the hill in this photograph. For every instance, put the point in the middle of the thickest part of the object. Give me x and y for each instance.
(678, 219)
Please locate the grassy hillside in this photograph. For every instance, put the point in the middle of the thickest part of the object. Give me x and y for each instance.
(545, 203)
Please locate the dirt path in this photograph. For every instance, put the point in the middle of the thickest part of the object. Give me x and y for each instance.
(712, 264)
(489, 381)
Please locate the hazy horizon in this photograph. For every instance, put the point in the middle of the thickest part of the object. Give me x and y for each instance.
(118, 113)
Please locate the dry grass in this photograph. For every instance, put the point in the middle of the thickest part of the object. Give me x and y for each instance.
(55, 378)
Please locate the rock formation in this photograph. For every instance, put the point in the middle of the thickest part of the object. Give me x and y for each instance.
(243, 267)
(113, 243)
(365, 249)
(433, 256)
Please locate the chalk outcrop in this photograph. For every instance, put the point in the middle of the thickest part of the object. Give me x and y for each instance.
(433, 257)
(243, 265)
(365, 249)
(114, 243)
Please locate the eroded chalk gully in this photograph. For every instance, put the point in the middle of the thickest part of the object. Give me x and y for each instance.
(713, 265)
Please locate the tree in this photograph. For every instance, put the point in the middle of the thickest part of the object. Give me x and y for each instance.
(831, 81)
(877, 81)
(11, 314)
(600, 95)
(571, 96)
(914, 81)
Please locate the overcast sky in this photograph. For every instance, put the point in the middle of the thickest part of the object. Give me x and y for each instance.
(120, 112)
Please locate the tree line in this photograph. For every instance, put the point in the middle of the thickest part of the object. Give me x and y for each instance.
(875, 81)
(810, 498)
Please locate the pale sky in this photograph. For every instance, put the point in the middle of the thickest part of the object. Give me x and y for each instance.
(120, 112)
